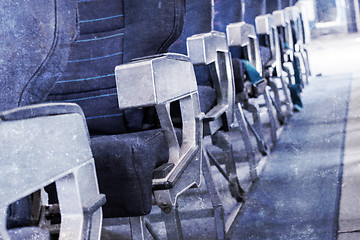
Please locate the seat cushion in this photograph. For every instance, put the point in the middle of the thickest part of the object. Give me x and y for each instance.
(265, 54)
(207, 97)
(124, 166)
(239, 74)
(29, 233)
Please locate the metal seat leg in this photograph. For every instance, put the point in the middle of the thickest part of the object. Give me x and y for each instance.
(214, 197)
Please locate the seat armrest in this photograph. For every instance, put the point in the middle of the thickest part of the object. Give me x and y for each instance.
(215, 112)
(242, 34)
(264, 24)
(40, 110)
(158, 81)
(155, 80)
(48, 143)
(271, 63)
(211, 49)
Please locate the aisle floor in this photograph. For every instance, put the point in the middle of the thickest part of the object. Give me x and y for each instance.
(308, 188)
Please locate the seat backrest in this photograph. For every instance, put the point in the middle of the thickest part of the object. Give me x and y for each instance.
(198, 19)
(268, 37)
(273, 5)
(113, 32)
(253, 8)
(293, 14)
(34, 48)
(226, 12)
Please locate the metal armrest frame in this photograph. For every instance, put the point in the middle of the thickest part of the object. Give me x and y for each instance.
(161, 80)
(49, 143)
(304, 18)
(265, 25)
(242, 34)
(211, 49)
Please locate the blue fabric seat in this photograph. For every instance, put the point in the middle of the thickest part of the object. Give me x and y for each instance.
(114, 32)
(125, 165)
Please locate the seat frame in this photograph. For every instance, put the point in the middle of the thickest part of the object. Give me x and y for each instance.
(61, 154)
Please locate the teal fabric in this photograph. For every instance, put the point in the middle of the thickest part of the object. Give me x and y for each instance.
(251, 72)
(295, 97)
(295, 89)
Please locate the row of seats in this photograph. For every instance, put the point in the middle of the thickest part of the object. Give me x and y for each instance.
(146, 84)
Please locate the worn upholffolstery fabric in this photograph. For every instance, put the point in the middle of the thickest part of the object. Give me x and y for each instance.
(226, 12)
(198, 20)
(265, 54)
(124, 165)
(272, 5)
(207, 97)
(113, 32)
(34, 46)
(253, 8)
(239, 73)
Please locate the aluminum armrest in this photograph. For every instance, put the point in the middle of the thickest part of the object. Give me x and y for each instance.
(47, 143)
(211, 49)
(158, 81)
(280, 18)
(215, 112)
(264, 24)
(242, 34)
(40, 110)
(292, 13)
(271, 64)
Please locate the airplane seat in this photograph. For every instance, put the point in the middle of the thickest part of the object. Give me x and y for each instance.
(254, 84)
(37, 150)
(137, 165)
(273, 69)
(290, 61)
(109, 35)
(112, 33)
(198, 20)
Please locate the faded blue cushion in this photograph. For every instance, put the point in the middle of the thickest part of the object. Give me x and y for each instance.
(124, 166)
(265, 54)
(207, 97)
